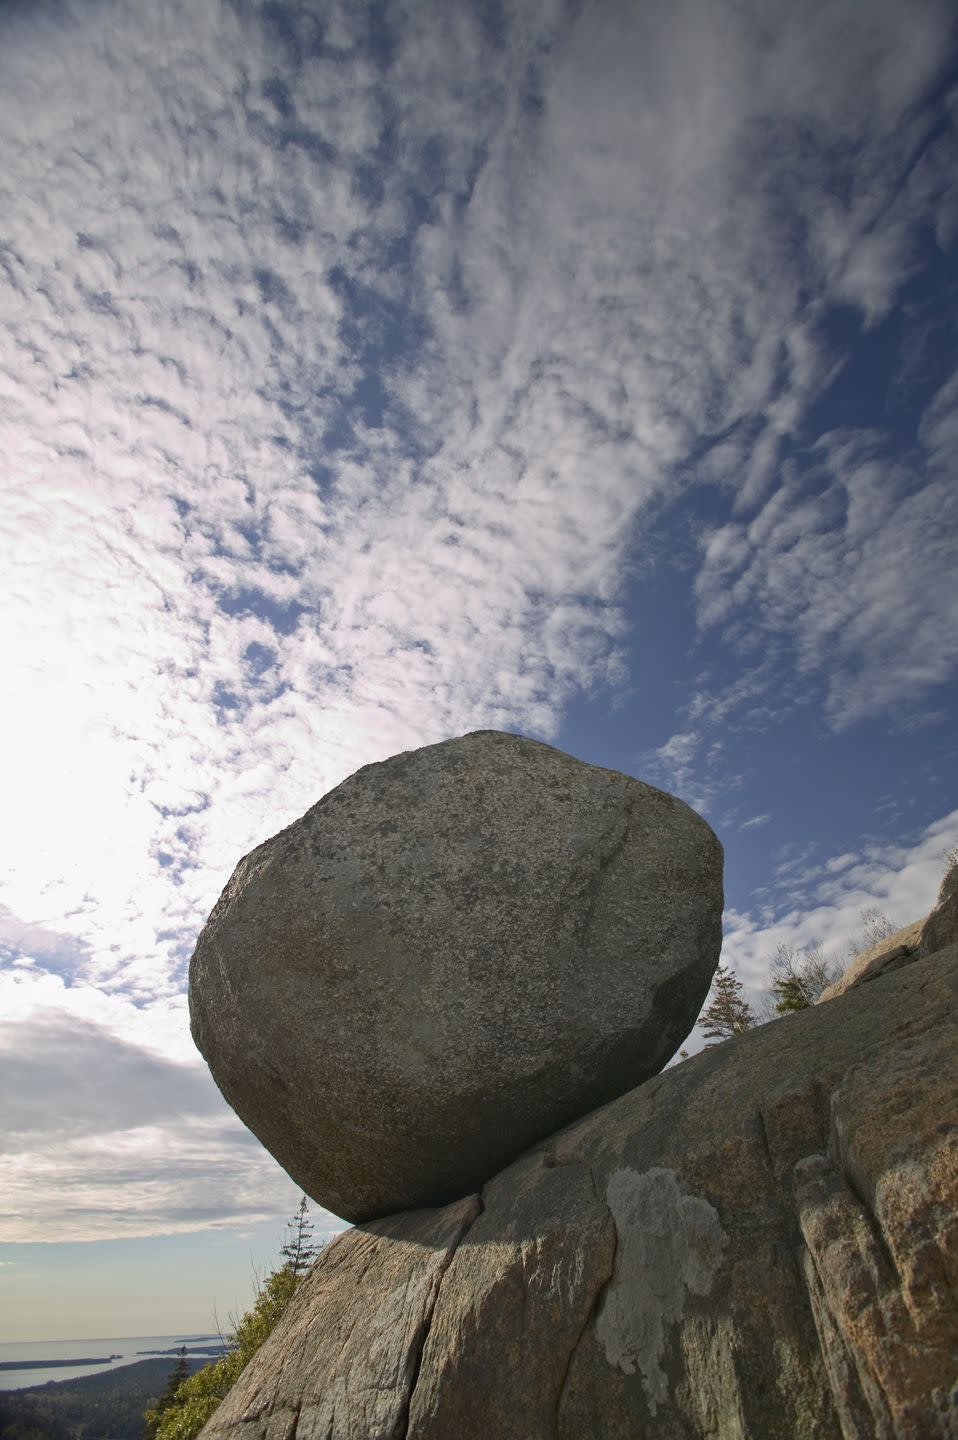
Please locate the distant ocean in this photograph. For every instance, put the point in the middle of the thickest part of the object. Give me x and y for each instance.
(111, 1353)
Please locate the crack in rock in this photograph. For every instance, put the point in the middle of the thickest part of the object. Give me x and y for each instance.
(418, 1347)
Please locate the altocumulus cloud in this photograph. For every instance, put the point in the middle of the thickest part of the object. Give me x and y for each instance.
(347, 360)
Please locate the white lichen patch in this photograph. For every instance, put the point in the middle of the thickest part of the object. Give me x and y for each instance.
(669, 1245)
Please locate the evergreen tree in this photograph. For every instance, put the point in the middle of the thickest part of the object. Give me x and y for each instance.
(790, 994)
(179, 1373)
(300, 1249)
(729, 1013)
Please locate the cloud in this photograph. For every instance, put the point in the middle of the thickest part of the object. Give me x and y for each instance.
(851, 558)
(102, 1136)
(183, 371)
(143, 1180)
(840, 862)
(159, 1027)
(754, 822)
(65, 1079)
(694, 768)
(203, 299)
(673, 765)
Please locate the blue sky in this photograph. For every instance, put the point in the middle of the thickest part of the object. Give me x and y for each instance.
(373, 373)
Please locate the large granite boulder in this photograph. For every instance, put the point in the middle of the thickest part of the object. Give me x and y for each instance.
(449, 956)
(762, 1241)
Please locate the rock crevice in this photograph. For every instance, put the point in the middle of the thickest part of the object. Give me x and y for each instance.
(419, 1342)
(601, 1284)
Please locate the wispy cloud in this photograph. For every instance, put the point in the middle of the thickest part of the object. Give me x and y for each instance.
(677, 766)
(852, 559)
(694, 766)
(754, 822)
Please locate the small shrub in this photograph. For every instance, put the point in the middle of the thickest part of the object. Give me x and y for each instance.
(798, 977)
(876, 927)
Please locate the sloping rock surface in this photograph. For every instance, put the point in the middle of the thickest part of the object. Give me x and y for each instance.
(760, 1242)
(896, 950)
(449, 956)
(912, 942)
(941, 926)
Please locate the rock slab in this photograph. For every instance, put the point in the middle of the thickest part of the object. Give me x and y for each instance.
(451, 955)
(762, 1241)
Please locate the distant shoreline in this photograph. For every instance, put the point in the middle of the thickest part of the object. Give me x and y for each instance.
(141, 1379)
(55, 1364)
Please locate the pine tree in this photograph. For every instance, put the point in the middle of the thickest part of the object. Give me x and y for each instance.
(790, 994)
(179, 1373)
(729, 1013)
(300, 1249)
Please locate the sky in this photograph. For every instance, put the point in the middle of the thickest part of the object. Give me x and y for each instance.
(375, 372)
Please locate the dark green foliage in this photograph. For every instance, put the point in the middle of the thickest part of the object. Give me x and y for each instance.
(185, 1407)
(797, 978)
(790, 994)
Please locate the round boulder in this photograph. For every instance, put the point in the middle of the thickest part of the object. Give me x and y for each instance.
(451, 955)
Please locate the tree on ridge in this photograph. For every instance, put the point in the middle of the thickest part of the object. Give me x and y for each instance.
(154, 1415)
(876, 927)
(300, 1248)
(729, 1012)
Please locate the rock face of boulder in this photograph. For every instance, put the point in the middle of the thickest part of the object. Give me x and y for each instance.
(449, 956)
(760, 1242)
